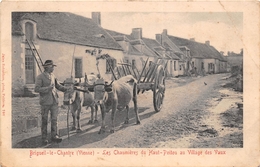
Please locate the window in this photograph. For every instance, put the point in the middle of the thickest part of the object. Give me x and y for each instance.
(202, 65)
(193, 64)
(180, 67)
(78, 68)
(29, 67)
(174, 65)
(29, 31)
(110, 63)
(133, 63)
(29, 60)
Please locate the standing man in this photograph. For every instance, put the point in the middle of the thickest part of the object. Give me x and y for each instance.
(46, 85)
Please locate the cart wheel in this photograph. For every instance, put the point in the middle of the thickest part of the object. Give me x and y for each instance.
(159, 89)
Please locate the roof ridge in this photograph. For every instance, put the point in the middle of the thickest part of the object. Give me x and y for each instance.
(60, 26)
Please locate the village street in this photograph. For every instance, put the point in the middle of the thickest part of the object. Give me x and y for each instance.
(198, 112)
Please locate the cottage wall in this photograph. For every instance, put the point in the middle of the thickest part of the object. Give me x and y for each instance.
(217, 66)
(129, 57)
(18, 75)
(170, 68)
(139, 60)
(206, 64)
(181, 68)
(62, 54)
(175, 70)
(197, 64)
(163, 38)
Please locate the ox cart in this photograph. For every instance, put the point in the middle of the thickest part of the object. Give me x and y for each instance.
(151, 77)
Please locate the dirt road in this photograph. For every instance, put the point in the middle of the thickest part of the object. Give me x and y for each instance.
(197, 112)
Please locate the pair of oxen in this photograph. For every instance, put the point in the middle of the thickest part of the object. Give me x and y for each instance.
(116, 95)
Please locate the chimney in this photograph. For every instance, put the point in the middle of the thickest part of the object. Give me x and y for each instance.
(158, 38)
(207, 43)
(96, 17)
(137, 33)
(222, 53)
(165, 32)
(192, 39)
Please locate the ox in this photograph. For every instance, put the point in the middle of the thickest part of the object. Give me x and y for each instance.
(116, 95)
(76, 99)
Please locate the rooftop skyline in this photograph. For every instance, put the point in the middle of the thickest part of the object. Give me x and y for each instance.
(223, 30)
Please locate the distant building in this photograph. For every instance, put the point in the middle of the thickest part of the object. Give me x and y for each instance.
(234, 59)
(181, 64)
(203, 56)
(166, 55)
(137, 49)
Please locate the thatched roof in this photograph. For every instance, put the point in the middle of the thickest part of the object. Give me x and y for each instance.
(65, 27)
(197, 50)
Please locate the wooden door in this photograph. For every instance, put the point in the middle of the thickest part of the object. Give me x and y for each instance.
(78, 68)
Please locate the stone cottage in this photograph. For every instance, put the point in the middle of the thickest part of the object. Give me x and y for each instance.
(70, 40)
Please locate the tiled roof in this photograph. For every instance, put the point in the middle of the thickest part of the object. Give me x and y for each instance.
(177, 53)
(66, 27)
(197, 50)
(172, 54)
(132, 50)
(123, 37)
(144, 41)
(154, 45)
(114, 33)
(136, 42)
(16, 28)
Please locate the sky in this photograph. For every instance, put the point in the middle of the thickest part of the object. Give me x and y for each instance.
(224, 30)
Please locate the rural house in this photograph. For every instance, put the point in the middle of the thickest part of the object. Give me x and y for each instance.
(166, 55)
(70, 40)
(183, 54)
(139, 44)
(137, 49)
(203, 56)
(132, 55)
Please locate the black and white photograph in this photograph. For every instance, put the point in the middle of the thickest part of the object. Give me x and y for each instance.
(150, 83)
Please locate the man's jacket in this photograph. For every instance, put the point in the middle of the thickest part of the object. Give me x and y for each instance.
(43, 82)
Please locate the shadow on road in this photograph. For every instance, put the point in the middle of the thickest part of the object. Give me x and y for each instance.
(33, 142)
(89, 132)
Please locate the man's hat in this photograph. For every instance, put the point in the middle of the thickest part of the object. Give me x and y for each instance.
(48, 63)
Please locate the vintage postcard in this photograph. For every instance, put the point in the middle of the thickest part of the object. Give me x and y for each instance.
(130, 83)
